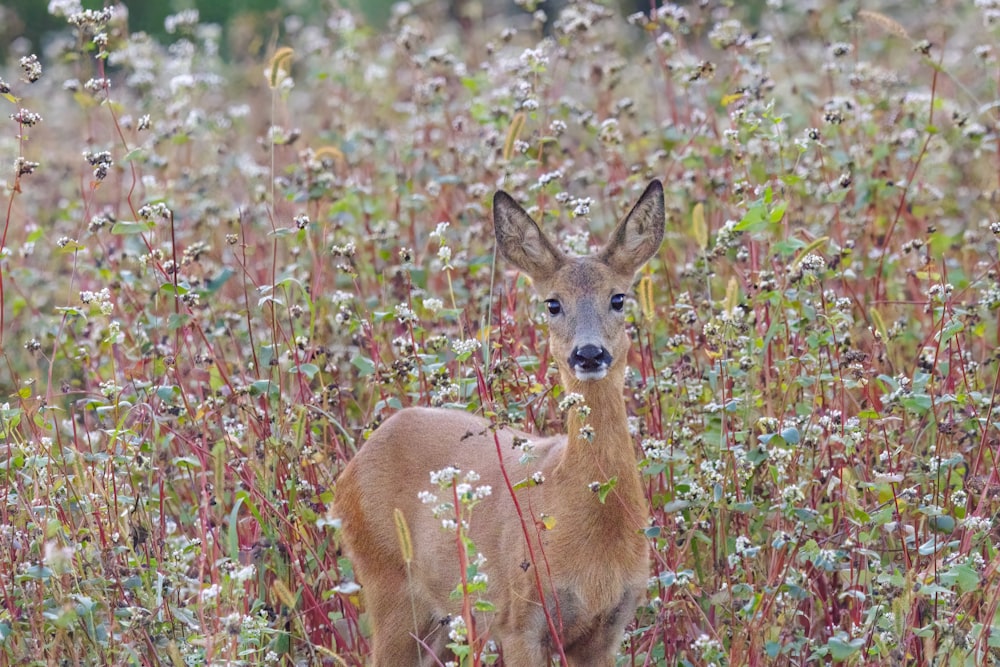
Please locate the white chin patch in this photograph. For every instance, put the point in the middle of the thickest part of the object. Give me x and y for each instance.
(589, 376)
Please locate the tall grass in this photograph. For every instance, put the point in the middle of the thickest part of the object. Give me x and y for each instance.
(218, 276)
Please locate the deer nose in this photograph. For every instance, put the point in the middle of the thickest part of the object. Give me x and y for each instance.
(589, 358)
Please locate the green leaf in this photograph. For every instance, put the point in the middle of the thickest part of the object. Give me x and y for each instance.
(791, 435)
(951, 329)
(931, 546)
(232, 536)
(757, 455)
(668, 578)
(84, 604)
(753, 220)
(176, 290)
(778, 212)
(71, 247)
(836, 196)
(964, 576)
(675, 506)
(38, 572)
(186, 462)
(264, 388)
(942, 524)
(213, 285)
(918, 403)
(167, 392)
(269, 299)
(364, 365)
(525, 483)
(186, 615)
(391, 402)
(309, 370)
(605, 488)
(177, 321)
(132, 227)
(841, 650)
(483, 605)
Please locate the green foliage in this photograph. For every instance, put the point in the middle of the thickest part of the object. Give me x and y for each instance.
(218, 275)
(38, 25)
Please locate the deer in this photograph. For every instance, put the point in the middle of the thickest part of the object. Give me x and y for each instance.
(564, 585)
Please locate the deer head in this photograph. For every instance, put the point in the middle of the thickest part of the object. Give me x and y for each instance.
(585, 296)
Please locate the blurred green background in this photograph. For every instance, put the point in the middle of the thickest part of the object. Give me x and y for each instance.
(250, 25)
(31, 20)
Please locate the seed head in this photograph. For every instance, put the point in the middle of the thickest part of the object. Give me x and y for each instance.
(31, 68)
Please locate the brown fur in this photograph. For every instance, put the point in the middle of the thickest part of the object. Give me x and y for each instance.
(596, 553)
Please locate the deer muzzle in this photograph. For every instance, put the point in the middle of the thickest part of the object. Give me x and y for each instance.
(590, 362)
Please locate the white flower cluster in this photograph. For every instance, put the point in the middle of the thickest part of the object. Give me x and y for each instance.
(101, 298)
(466, 346)
(977, 524)
(570, 400)
(445, 476)
(404, 313)
(744, 548)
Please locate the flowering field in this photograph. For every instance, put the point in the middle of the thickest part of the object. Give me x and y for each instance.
(220, 273)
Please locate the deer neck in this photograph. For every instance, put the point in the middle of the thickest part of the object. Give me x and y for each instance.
(599, 449)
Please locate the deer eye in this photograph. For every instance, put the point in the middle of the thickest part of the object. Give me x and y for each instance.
(554, 306)
(618, 302)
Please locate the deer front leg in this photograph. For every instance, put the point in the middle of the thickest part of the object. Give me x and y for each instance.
(522, 652)
(396, 640)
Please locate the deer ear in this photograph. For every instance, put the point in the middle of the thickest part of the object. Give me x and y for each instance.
(639, 235)
(521, 242)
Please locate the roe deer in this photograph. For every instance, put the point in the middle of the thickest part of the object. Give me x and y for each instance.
(593, 562)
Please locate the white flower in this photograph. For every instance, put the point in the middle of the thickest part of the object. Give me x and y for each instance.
(534, 58)
(609, 132)
(65, 7)
(977, 524)
(58, 558)
(404, 313)
(210, 592)
(466, 346)
(439, 231)
(445, 476)
(569, 400)
(444, 256)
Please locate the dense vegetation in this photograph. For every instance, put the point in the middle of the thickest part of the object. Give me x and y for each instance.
(246, 24)
(217, 277)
